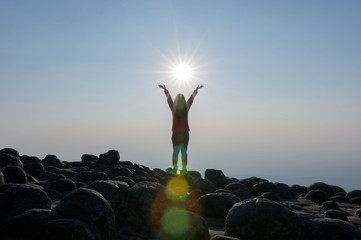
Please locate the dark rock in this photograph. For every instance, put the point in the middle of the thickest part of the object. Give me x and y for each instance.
(204, 186)
(63, 186)
(91, 207)
(31, 179)
(284, 191)
(262, 187)
(224, 181)
(317, 195)
(2, 181)
(9, 160)
(120, 171)
(247, 183)
(21, 197)
(10, 151)
(35, 168)
(140, 204)
(82, 176)
(181, 224)
(14, 174)
(127, 180)
(116, 193)
(127, 164)
(48, 176)
(298, 190)
(338, 190)
(221, 237)
(336, 214)
(222, 190)
(353, 194)
(239, 189)
(358, 213)
(89, 158)
(271, 196)
(255, 180)
(217, 205)
(99, 176)
(52, 160)
(355, 200)
(327, 228)
(44, 224)
(322, 187)
(109, 158)
(29, 159)
(213, 175)
(339, 198)
(330, 205)
(68, 173)
(263, 219)
(194, 174)
(52, 169)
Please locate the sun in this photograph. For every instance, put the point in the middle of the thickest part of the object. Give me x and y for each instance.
(182, 72)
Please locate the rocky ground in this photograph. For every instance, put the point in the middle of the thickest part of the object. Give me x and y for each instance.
(101, 197)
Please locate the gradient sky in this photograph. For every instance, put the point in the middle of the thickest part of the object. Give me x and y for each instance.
(282, 96)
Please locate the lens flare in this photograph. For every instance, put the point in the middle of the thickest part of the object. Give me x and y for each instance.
(176, 222)
(177, 189)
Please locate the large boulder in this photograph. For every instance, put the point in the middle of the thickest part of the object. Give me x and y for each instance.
(213, 175)
(239, 189)
(14, 174)
(44, 224)
(327, 228)
(91, 207)
(35, 168)
(322, 187)
(120, 171)
(204, 186)
(89, 158)
(116, 193)
(9, 160)
(109, 158)
(217, 205)
(10, 151)
(21, 197)
(63, 186)
(263, 187)
(259, 219)
(52, 160)
(317, 196)
(353, 194)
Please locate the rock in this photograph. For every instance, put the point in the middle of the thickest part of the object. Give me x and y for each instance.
(338, 190)
(317, 196)
(263, 219)
(63, 186)
(29, 159)
(52, 160)
(126, 164)
(120, 171)
(9, 160)
(355, 200)
(116, 193)
(239, 189)
(140, 203)
(98, 176)
(262, 187)
(322, 187)
(298, 190)
(224, 181)
(284, 191)
(327, 228)
(44, 224)
(330, 205)
(336, 214)
(14, 174)
(221, 237)
(21, 197)
(358, 213)
(194, 174)
(48, 176)
(91, 207)
(11, 152)
(82, 176)
(255, 180)
(247, 183)
(213, 175)
(127, 180)
(217, 205)
(271, 196)
(109, 158)
(35, 168)
(204, 186)
(178, 223)
(89, 158)
(339, 198)
(1, 178)
(353, 194)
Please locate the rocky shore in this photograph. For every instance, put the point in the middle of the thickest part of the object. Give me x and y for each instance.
(102, 198)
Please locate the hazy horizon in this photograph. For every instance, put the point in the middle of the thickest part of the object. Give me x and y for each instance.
(282, 84)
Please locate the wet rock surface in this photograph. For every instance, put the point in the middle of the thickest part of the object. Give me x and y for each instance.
(100, 197)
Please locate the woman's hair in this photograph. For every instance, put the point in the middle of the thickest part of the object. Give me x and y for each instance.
(180, 106)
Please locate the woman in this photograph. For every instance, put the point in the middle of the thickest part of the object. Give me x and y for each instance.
(180, 128)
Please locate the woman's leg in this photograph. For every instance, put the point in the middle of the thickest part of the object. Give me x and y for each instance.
(176, 149)
(184, 157)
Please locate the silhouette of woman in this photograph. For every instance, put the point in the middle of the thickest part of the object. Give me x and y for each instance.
(180, 128)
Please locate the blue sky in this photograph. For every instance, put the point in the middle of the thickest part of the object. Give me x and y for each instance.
(282, 83)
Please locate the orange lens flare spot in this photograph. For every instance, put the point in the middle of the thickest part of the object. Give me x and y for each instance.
(177, 189)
